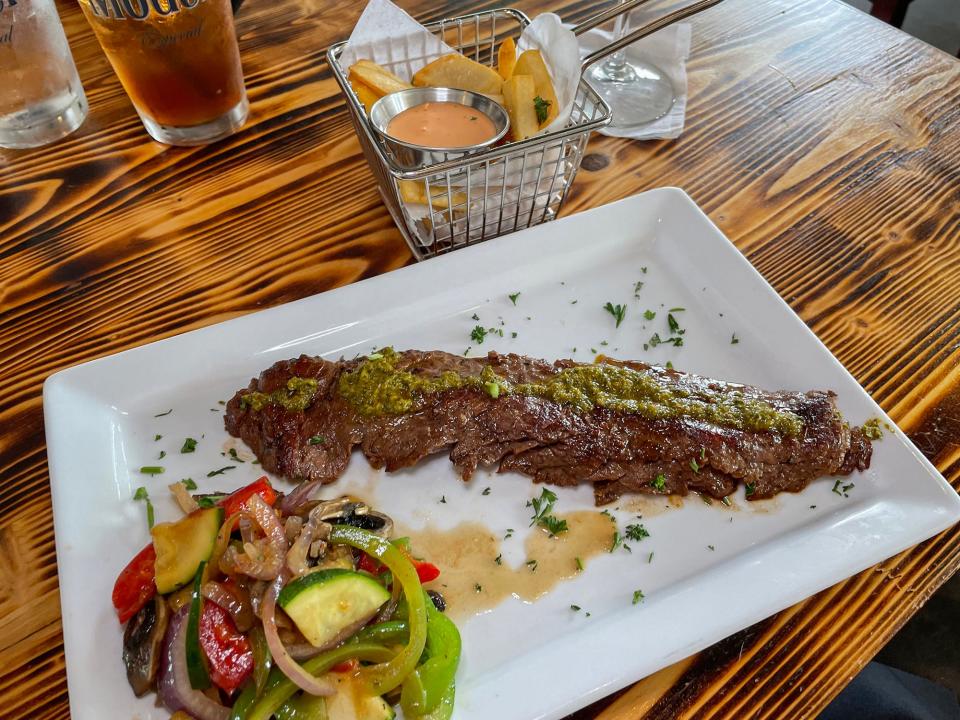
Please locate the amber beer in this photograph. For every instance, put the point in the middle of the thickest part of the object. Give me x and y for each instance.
(179, 62)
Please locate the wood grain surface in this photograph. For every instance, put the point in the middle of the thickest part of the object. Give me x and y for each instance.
(825, 144)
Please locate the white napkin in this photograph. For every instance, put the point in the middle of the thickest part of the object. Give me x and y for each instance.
(668, 49)
(387, 35)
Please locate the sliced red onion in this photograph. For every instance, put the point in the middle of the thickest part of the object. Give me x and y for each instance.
(273, 547)
(240, 610)
(290, 667)
(290, 504)
(173, 683)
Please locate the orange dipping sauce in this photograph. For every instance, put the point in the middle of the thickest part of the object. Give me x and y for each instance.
(442, 125)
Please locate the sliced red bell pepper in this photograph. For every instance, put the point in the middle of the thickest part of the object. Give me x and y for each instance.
(347, 666)
(235, 501)
(425, 571)
(135, 585)
(228, 651)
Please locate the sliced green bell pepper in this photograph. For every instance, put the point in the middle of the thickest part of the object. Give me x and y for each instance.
(425, 688)
(384, 677)
(280, 688)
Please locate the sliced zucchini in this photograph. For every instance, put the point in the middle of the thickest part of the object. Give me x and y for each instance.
(351, 702)
(196, 666)
(325, 603)
(181, 547)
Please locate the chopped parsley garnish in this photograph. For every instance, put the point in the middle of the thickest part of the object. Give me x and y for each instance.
(694, 465)
(499, 559)
(541, 505)
(542, 108)
(221, 471)
(734, 339)
(726, 500)
(164, 413)
(513, 335)
(669, 365)
(478, 334)
(649, 558)
(478, 587)
(616, 542)
(317, 440)
(643, 270)
(637, 287)
(637, 596)
(657, 340)
(513, 297)
(711, 547)
(443, 499)
(844, 489)
(553, 525)
(209, 501)
(532, 564)
(619, 312)
(157, 437)
(189, 484)
(232, 452)
(189, 445)
(162, 455)
(749, 489)
(673, 324)
(649, 314)
(541, 513)
(475, 317)
(486, 491)
(575, 608)
(579, 564)
(151, 470)
(637, 532)
(141, 494)
(660, 482)
(509, 534)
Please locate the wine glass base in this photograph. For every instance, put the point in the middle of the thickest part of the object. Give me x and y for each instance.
(638, 92)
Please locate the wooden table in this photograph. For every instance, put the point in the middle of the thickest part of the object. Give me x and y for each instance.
(825, 144)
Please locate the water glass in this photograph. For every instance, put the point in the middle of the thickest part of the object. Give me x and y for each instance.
(41, 98)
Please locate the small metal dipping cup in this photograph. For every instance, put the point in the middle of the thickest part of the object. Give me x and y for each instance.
(412, 157)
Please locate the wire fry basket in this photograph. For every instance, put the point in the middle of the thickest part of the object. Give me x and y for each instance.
(468, 199)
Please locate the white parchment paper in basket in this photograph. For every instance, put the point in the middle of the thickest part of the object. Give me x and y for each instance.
(390, 37)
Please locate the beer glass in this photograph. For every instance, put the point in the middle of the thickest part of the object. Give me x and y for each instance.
(41, 98)
(179, 62)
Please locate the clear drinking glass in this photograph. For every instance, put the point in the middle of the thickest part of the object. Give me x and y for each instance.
(638, 92)
(179, 62)
(41, 98)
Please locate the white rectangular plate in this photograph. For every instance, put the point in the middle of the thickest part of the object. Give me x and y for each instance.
(521, 660)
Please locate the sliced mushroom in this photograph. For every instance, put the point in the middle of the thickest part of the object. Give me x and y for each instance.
(349, 511)
(143, 644)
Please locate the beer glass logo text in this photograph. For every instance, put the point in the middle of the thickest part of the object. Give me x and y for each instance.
(138, 9)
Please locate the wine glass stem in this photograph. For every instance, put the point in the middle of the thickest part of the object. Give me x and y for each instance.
(614, 64)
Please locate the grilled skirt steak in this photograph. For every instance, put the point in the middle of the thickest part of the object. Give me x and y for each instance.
(624, 427)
